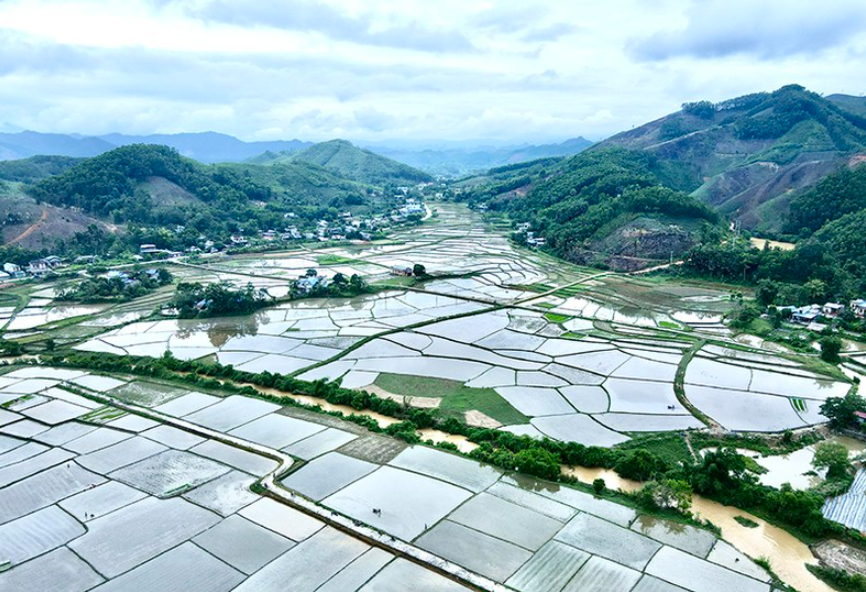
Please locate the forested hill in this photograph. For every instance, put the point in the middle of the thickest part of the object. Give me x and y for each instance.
(149, 185)
(111, 184)
(349, 161)
(610, 207)
(748, 156)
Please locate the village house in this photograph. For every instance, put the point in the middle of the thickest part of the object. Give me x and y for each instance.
(831, 310)
(39, 267)
(147, 248)
(806, 315)
(11, 268)
(858, 307)
(400, 270)
(308, 283)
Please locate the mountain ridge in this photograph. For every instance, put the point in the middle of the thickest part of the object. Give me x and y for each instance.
(747, 156)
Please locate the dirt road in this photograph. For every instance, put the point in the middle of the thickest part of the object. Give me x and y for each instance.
(32, 228)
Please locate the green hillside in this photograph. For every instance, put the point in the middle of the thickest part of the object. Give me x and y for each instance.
(109, 185)
(153, 189)
(349, 161)
(610, 207)
(840, 193)
(748, 156)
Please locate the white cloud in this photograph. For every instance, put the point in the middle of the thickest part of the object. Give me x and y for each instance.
(407, 69)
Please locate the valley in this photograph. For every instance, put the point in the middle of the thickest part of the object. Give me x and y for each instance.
(497, 338)
(647, 353)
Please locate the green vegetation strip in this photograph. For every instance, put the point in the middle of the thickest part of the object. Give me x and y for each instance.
(679, 384)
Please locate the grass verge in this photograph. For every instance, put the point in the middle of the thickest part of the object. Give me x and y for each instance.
(456, 398)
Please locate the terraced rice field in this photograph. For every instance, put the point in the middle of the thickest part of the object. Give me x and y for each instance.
(155, 507)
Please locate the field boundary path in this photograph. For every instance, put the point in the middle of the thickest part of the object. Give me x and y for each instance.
(272, 487)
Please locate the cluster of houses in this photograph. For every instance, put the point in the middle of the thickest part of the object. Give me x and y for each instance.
(811, 314)
(128, 279)
(348, 226)
(36, 268)
(532, 239)
(412, 207)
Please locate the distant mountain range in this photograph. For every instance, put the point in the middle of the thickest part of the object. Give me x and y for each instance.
(457, 162)
(212, 147)
(206, 147)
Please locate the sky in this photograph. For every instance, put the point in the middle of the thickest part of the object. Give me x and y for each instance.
(408, 71)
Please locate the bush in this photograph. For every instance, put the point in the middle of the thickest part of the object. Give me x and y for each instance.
(833, 457)
(598, 485)
(839, 579)
(831, 346)
(639, 465)
(702, 109)
(670, 494)
(538, 462)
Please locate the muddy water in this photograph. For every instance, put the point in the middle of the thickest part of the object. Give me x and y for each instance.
(383, 420)
(786, 554)
(462, 443)
(611, 479)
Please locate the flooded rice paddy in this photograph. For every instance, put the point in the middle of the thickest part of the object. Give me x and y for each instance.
(143, 508)
(579, 357)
